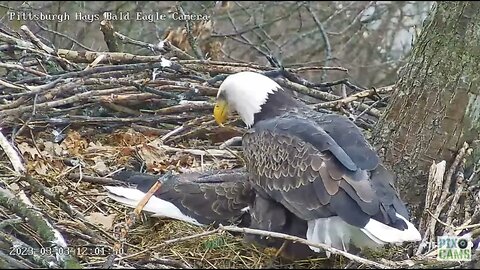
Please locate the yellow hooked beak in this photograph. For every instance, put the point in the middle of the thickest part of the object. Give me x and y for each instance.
(220, 112)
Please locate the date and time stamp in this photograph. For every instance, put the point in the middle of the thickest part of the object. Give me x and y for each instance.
(76, 251)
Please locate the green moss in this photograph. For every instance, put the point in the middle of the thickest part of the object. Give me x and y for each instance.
(36, 221)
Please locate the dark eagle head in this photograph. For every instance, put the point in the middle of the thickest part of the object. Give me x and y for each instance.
(252, 95)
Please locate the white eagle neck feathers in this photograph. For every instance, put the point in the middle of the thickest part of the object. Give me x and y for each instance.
(246, 92)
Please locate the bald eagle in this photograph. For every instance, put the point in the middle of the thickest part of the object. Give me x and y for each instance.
(213, 197)
(208, 198)
(318, 166)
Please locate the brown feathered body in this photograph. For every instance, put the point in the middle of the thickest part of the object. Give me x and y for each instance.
(216, 197)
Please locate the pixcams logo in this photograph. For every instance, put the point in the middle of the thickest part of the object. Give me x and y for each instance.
(454, 248)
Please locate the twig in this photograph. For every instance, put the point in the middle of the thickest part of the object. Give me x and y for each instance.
(301, 69)
(132, 217)
(33, 90)
(9, 222)
(434, 186)
(244, 39)
(200, 63)
(171, 133)
(202, 126)
(366, 110)
(433, 216)
(181, 131)
(460, 185)
(355, 21)
(328, 48)
(474, 219)
(191, 39)
(147, 197)
(11, 85)
(190, 237)
(149, 130)
(127, 40)
(197, 152)
(168, 262)
(12, 155)
(187, 106)
(63, 35)
(78, 119)
(231, 141)
(356, 96)
(325, 96)
(22, 68)
(106, 27)
(103, 69)
(109, 57)
(176, 51)
(94, 179)
(448, 179)
(306, 242)
(96, 61)
(36, 40)
(61, 102)
(13, 262)
(13, 40)
(431, 224)
(453, 206)
(445, 191)
(256, 26)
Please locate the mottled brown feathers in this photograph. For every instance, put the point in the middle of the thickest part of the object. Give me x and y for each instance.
(213, 197)
(318, 167)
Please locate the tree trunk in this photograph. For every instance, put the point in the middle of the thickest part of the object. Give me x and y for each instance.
(436, 105)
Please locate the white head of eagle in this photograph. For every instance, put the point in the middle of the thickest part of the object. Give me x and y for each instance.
(246, 93)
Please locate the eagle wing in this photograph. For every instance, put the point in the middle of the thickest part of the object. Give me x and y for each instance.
(213, 197)
(320, 173)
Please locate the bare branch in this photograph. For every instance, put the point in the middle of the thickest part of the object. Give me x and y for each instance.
(328, 48)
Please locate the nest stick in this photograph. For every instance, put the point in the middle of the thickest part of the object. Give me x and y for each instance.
(147, 197)
(12, 154)
(445, 191)
(12, 262)
(450, 172)
(36, 40)
(434, 187)
(230, 142)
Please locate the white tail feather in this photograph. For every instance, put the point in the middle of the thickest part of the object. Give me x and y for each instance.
(160, 208)
(382, 233)
(335, 232)
(332, 231)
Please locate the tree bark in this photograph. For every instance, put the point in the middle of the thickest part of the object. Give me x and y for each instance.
(435, 107)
